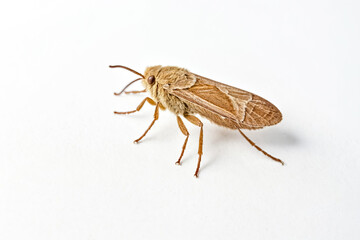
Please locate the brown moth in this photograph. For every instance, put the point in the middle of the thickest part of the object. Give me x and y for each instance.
(185, 94)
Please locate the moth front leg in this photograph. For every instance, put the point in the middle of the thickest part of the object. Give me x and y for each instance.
(147, 99)
(186, 133)
(156, 117)
(194, 120)
(129, 92)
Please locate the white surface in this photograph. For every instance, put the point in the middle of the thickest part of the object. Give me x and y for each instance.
(69, 169)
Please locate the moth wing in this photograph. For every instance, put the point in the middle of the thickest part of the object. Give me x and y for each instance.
(229, 106)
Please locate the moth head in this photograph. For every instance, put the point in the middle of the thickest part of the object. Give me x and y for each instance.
(151, 75)
(151, 80)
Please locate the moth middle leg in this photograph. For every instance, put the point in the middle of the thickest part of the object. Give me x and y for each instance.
(194, 120)
(186, 133)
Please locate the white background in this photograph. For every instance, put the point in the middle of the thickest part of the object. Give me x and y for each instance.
(69, 169)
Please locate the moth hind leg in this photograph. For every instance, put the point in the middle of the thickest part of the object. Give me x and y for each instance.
(186, 133)
(258, 148)
(194, 120)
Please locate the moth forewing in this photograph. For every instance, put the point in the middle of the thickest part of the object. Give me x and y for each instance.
(185, 94)
(250, 110)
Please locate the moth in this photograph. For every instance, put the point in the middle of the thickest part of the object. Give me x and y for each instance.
(185, 94)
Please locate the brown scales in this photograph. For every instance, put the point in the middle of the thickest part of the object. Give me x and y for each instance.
(185, 93)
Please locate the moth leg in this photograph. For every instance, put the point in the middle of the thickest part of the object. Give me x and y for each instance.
(156, 117)
(161, 107)
(147, 99)
(186, 133)
(135, 91)
(194, 120)
(258, 148)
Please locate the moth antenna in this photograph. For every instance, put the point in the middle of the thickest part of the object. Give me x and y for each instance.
(127, 86)
(258, 148)
(129, 69)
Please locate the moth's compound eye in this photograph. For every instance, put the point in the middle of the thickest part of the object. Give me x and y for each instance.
(151, 79)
